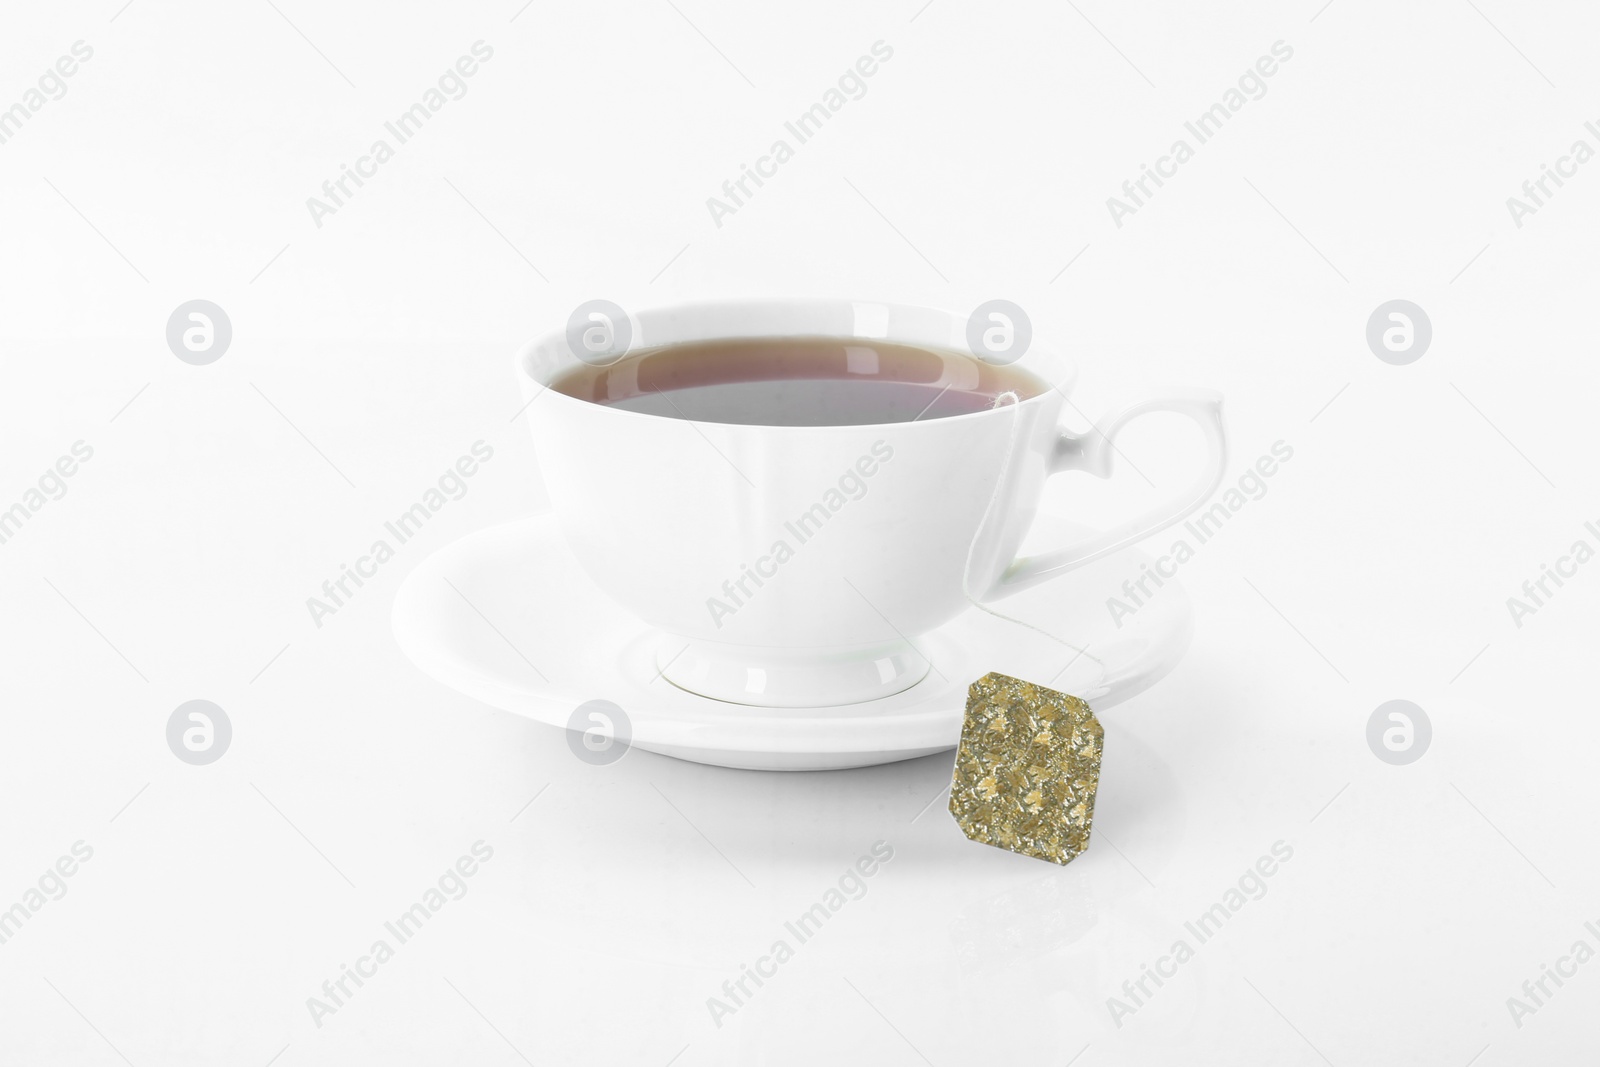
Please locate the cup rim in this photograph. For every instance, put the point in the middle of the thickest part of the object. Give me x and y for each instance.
(550, 349)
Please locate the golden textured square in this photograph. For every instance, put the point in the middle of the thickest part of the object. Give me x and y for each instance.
(1027, 769)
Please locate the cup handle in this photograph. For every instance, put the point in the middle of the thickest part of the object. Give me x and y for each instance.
(1093, 452)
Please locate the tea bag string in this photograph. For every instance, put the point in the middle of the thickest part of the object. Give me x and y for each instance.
(1012, 400)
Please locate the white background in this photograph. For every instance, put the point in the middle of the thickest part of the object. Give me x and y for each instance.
(177, 166)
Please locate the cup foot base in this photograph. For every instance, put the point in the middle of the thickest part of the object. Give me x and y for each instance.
(790, 678)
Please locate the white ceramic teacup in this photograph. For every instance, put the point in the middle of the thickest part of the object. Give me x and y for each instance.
(794, 566)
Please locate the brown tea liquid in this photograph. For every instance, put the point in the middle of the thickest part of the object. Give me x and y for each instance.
(805, 381)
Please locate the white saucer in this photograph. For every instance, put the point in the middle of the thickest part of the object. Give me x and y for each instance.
(490, 613)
